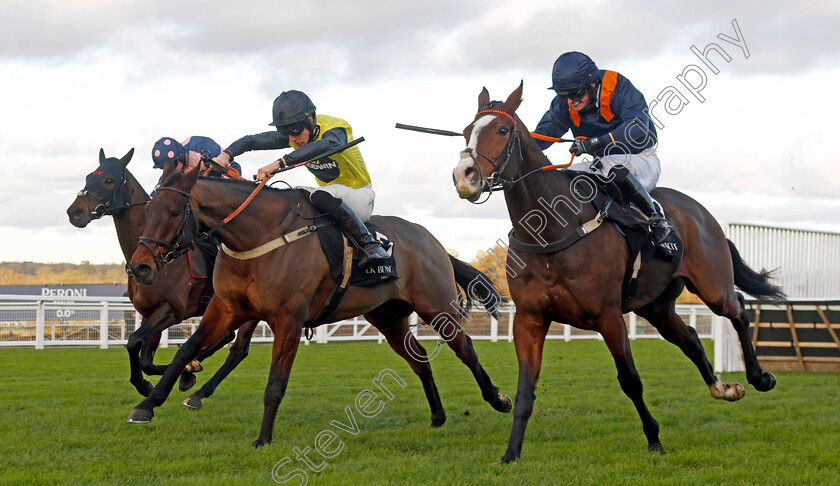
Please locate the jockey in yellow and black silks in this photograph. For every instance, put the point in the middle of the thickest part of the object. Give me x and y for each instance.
(612, 114)
(345, 189)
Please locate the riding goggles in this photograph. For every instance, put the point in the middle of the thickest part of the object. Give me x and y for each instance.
(573, 95)
(293, 130)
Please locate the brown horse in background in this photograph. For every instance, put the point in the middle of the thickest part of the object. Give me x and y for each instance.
(582, 284)
(289, 285)
(111, 189)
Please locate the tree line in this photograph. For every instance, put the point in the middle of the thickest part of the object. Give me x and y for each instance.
(33, 273)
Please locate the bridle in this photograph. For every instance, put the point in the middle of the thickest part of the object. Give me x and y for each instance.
(496, 181)
(103, 204)
(499, 163)
(181, 242)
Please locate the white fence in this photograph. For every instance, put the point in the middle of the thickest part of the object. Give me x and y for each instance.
(40, 322)
(808, 262)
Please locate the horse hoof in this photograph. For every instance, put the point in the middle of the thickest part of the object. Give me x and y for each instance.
(656, 447)
(192, 401)
(506, 405)
(260, 442)
(140, 416)
(186, 382)
(438, 421)
(508, 458)
(768, 382)
(735, 392)
(731, 392)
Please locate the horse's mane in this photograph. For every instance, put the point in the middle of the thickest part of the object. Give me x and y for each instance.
(129, 178)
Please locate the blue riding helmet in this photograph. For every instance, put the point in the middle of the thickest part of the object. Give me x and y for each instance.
(167, 149)
(573, 70)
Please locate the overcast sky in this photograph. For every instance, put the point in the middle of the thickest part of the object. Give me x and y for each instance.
(77, 76)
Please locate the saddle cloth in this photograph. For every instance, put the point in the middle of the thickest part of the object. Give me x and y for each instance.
(332, 244)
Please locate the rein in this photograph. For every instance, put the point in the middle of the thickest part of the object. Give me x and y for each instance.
(176, 249)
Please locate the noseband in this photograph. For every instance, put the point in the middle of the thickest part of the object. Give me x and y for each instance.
(101, 208)
(175, 246)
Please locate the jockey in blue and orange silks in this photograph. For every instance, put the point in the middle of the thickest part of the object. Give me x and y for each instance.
(612, 115)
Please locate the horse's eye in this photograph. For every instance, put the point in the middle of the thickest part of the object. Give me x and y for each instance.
(175, 213)
(503, 131)
(108, 181)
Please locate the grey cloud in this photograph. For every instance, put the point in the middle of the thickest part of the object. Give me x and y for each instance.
(355, 42)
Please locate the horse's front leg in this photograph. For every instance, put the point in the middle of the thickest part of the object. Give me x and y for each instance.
(217, 323)
(286, 340)
(144, 340)
(529, 330)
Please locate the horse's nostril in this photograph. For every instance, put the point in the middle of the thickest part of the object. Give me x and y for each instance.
(470, 174)
(142, 273)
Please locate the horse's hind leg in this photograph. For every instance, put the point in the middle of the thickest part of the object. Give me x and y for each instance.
(760, 379)
(450, 328)
(398, 334)
(238, 352)
(724, 301)
(662, 315)
(615, 335)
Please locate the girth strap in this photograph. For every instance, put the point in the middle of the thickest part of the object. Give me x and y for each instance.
(337, 294)
(564, 242)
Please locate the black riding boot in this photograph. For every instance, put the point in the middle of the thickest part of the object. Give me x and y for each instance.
(344, 216)
(634, 192)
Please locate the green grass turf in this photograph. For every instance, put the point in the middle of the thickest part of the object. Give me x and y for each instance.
(63, 412)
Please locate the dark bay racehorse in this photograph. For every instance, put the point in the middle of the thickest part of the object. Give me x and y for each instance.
(288, 285)
(582, 284)
(111, 189)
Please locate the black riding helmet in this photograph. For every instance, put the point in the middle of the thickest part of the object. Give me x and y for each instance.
(293, 108)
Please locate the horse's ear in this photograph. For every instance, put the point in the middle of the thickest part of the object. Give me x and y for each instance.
(101, 156)
(515, 98)
(127, 157)
(191, 175)
(483, 99)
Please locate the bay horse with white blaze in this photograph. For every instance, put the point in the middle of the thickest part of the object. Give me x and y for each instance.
(111, 189)
(288, 285)
(582, 285)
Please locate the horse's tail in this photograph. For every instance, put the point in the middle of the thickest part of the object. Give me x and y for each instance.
(476, 283)
(754, 283)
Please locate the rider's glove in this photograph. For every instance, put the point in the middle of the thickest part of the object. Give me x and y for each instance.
(588, 146)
